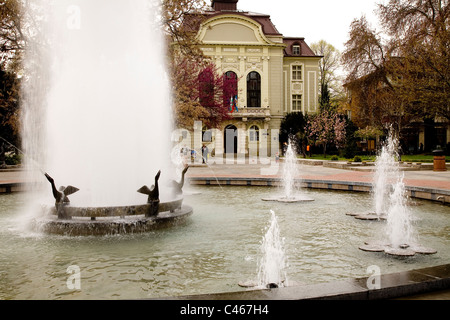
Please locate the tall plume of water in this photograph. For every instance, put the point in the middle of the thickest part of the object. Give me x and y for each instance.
(273, 263)
(101, 118)
(386, 168)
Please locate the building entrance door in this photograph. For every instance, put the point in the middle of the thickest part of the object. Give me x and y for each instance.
(230, 141)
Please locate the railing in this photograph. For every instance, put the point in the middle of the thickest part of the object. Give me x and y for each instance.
(251, 113)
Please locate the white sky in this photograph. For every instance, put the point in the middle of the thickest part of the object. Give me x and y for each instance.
(327, 20)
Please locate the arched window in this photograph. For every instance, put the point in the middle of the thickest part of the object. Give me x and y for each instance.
(254, 133)
(230, 89)
(253, 90)
(206, 134)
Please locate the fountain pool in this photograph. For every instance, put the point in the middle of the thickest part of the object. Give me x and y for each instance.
(217, 247)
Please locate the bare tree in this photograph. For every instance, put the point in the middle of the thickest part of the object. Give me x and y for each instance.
(420, 38)
(328, 65)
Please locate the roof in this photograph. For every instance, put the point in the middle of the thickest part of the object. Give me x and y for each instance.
(268, 28)
(263, 19)
(305, 50)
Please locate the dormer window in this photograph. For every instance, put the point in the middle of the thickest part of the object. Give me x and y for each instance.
(296, 49)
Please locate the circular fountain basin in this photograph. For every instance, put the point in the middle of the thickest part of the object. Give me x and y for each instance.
(86, 221)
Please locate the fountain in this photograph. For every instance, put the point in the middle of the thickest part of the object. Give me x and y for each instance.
(101, 120)
(108, 153)
(271, 270)
(399, 231)
(393, 208)
(219, 246)
(290, 194)
(67, 219)
(272, 264)
(386, 169)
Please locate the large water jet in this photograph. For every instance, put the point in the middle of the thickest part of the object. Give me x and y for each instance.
(102, 119)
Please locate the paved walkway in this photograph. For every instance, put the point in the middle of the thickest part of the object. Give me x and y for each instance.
(412, 178)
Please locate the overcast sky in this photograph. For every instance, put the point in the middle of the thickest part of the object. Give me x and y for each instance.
(320, 19)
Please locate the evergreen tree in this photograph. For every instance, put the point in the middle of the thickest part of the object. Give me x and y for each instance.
(293, 128)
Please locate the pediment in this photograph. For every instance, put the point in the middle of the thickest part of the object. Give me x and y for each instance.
(232, 29)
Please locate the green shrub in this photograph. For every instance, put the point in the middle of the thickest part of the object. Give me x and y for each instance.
(334, 158)
(357, 159)
(13, 159)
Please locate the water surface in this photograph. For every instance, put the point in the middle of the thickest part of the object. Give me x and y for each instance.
(217, 247)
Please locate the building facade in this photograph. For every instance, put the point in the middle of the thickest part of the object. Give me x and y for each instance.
(417, 134)
(275, 75)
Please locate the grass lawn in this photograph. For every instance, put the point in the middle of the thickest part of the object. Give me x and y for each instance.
(405, 158)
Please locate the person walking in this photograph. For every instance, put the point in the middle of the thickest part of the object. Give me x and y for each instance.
(205, 154)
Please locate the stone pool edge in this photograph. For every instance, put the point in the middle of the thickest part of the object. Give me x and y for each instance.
(432, 194)
(391, 286)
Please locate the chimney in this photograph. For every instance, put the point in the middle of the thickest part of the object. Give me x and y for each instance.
(224, 5)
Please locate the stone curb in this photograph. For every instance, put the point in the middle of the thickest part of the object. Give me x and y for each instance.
(391, 286)
(432, 194)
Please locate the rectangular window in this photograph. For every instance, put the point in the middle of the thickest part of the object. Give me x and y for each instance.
(296, 49)
(296, 72)
(297, 102)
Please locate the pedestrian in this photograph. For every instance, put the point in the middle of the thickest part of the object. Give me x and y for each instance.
(205, 154)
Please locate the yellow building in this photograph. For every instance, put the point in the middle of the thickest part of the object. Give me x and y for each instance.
(275, 75)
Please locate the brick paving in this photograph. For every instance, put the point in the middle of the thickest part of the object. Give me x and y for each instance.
(412, 178)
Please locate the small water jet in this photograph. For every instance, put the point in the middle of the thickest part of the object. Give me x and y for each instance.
(386, 169)
(272, 263)
(291, 192)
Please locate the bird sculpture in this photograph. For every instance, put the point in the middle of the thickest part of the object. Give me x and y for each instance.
(153, 192)
(61, 195)
(153, 196)
(178, 186)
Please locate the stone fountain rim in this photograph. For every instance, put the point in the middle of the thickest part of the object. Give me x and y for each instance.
(50, 224)
(113, 211)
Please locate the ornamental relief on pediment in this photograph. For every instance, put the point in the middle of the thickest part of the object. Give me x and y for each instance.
(230, 66)
(230, 60)
(254, 66)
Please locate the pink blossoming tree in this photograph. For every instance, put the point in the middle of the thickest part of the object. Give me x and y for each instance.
(326, 128)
